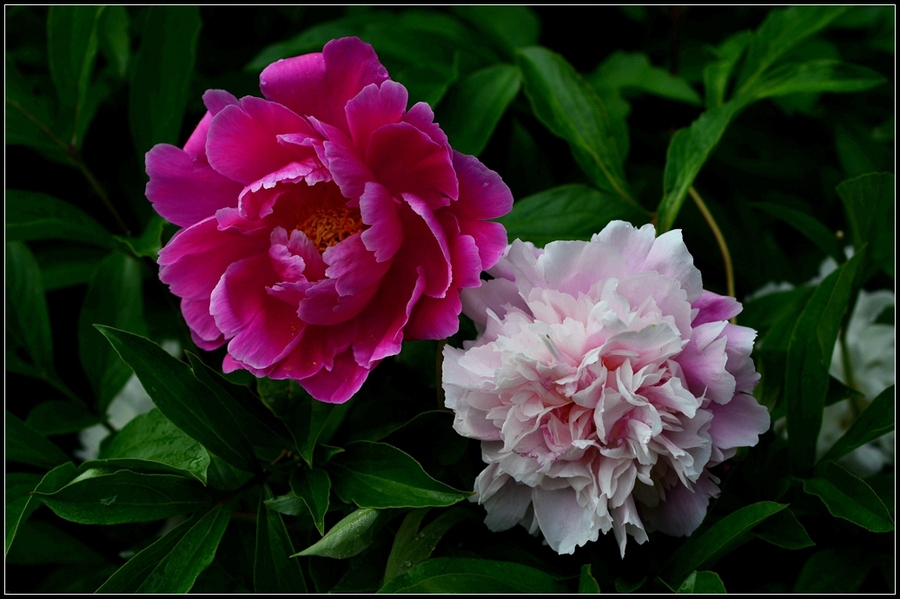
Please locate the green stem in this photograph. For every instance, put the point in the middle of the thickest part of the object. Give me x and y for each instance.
(720, 239)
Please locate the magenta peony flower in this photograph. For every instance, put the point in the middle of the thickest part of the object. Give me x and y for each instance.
(324, 224)
(604, 386)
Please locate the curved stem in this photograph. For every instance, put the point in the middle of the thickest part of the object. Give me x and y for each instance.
(720, 239)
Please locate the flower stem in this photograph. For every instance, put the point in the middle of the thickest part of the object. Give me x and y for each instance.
(720, 239)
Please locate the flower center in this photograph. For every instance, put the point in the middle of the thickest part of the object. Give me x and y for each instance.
(325, 217)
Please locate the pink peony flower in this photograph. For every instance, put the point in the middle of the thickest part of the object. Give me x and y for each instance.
(323, 224)
(605, 384)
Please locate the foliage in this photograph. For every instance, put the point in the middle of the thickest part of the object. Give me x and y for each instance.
(774, 121)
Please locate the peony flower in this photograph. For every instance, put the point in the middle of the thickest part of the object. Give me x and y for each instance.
(323, 224)
(604, 386)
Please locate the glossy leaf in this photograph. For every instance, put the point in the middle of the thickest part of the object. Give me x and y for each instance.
(813, 77)
(115, 38)
(184, 400)
(570, 108)
(148, 244)
(20, 503)
(162, 74)
(702, 582)
(509, 27)
(704, 548)
(809, 226)
(31, 215)
(351, 536)
(378, 475)
(99, 496)
(113, 298)
(150, 441)
(875, 421)
(413, 546)
(840, 570)
(274, 571)
(473, 106)
(809, 359)
(782, 30)
(27, 319)
(850, 498)
(60, 417)
(784, 530)
(314, 488)
(461, 575)
(567, 212)
(25, 445)
(634, 71)
(717, 74)
(586, 581)
(172, 564)
(869, 202)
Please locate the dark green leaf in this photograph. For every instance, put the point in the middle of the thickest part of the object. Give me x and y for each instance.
(25, 445)
(811, 227)
(809, 359)
(850, 498)
(313, 487)
(473, 106)
(875, 421)
(717, 540)
(586, 581)
(114, 299)
(29, 120)
(42, 543)
(172, 564)
(184, 400)
(459, 575)
(509, 27)
(162, 73)
(60, 417)
(148, 244)
(150, 441)
(31, 215)
(702, 582)
(567, 212)
(570, 108)
(381, 476)
(17, 510)
(814, 76)
(99, 496)
(869, 203)
(351, 535)
(784, 530)
(634, 71)
(782, 30)
(412, 546)
(27, 319)
(115, 38)
(274, 571)
(717, 74)
(65, 265)
(833, 571)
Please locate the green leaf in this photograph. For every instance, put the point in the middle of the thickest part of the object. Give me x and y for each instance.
(59, 418)
(784, 530)
(378, 475)
(623, 586)
(869, 203)
(717, 540)
(702, 582)
(25, 445)
(412, 546)
(72, 44)
(172, 564)
(31, 215)
(149, 243)
(509, 27)
(570, 108)
(850, 498)
(688, 151)
(29, 120)
(43, 543)
(809, 226)
(313, 486)
(634, 71)
(162, 73)
(782, 30)
(470, 111)
(150, 441)
(65, 265)
(586, 581)
(20, 499)
(814, 76)
(460, 575)
(717, 74)
(875, 421)
(114, 298)
(351, 535)
(274, 571)
(99, 496)
(27, 319)
(183, 399)
(834, 571)
(567, 212)
(115, 38)
(809, 358)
